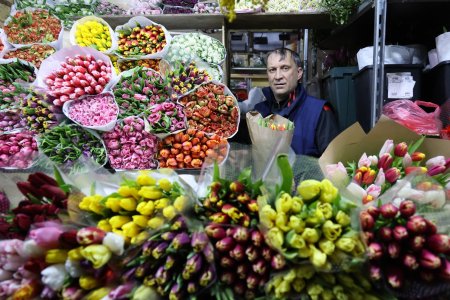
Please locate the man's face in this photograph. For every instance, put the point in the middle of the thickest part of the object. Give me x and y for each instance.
(283, 75)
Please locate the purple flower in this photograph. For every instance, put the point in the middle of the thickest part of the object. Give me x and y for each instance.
(153, 118)
(167, 106)
(180, 125)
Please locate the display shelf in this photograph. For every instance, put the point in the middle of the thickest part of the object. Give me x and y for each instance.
(407, 22)
(251, 69)
(251, 76)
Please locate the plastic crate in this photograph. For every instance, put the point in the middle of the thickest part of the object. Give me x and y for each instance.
(363, 89)
(337, 88)
(437, 83)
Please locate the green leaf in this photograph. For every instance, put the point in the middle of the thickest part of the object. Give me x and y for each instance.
(216, 173)
(414, 146)
(92, 192)
(287, 175)
(60, 181)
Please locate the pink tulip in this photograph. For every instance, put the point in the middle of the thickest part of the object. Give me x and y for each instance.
(364, 161)
(417, 225)
(401, 149)
(46, 237)
(407, 208)
(406, 161)
(380, 179)
(387, 147)
(373, 190)
(435, 161)
(388, 210)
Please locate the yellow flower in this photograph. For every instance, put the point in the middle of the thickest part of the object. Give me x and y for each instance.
(346, 244)
(359, 249)
(24, 292)
(281, 221)
(309, 189)
(283, 203)
(145, 179)
(118, 221)
(88, 282)
(113, 204)
(169, 212)
(311, 235)
(150, 192)
(96, 207)
(304, 252)
(329, 191)
(297, 204)
(162, 203)
(342, 218)
(144, 293)
(98, 255)
(180, 203)
(331, 231)
(155, 222)
(128, 204)
(305, 271)
(284, 287)
(165, 184)
(318, 258)
(140, 220)
(75, 254)
(85, 202)
(289, 276)
(295, 240)
(275, 237)
(145, 208)
(297, 224)
(98, 294)
(92, 203)
(130, 229)
(104, 225)
(56, 256)
(140, 238)
(126, 191)
(268, 216)
(326, 209)
(326, 246)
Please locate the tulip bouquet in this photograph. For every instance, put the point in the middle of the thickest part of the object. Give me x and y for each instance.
(128, 64)
(15, 70)
(191, 149)
(304, 280)
(39, 113)
(406, 247)
(11, 120)
(19, 150)
(45, 199)
(137, 205)
(11, 94)
(166, 117)
(138, 90)
(212, 109)
(70, 146)
(34, 54)
(313, 225)
(77, 76)
(176, 261)
(183, 78)
(106, 8)
(129, 146)
(373, 174)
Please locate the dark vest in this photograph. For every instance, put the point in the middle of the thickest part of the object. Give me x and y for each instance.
(304, 111)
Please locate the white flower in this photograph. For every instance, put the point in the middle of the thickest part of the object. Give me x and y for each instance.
(435, 161)
(356, 191)
(54, 276)
(114, 242)
(73, 268)
(31, 249)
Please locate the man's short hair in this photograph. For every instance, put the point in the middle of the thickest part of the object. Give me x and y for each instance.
(283, 52)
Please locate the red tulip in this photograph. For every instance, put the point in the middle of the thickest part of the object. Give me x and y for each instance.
(436, 170)
(431, 227)
(392, 174)
(252, 253)
(227, 277)
(240, 234)
(388, 210)
(417, 156)
(90, 235)
(445, 269)
(412, 169)
(237, 187)
(373, 211)
(22, 221)
(374, 251)
(401, 149)
(225, 244)
(393, 249)
(375, 272)
(369, 177)
(367, 221)
(429, 260)
(417, 225)
(385, 161)
(417, 242)
(238, 252)
(278, 261)
(410, 261)
(260, 266)
(37, 179)
(407, 208)
(395, 277)
(215, 231)
(385, 233)
(439, 243)
(257, 238)
(400, 233)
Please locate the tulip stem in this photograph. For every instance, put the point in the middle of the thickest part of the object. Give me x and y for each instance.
(286, 173)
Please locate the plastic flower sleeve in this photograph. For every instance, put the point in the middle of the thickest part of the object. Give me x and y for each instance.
(140, 22)
(73, 30)
(100, 111)
(407, 238)
(56, 43)
(4, 45)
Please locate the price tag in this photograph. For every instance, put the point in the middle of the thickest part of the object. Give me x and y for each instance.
(400, 85)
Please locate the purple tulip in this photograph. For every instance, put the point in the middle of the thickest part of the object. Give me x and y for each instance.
(278, 261)
(208, 253)
(161, 276)
(168, 236)
(429, 260)
(227, 277)
(260, 266)
(238, 252)
(240, 234)
(417, 225)
(176, 292)
(410, 261)
(180, 240)
(388, 211)
(199, 241)
(400, 233)
(385, 233)
(375, 272)
(227, 262)
(170, 262)
(121, 292)
(159, 250)
(407, 208)
(439, 243)
(393, 250)
(192, 287)
(193, 265)
(252, 253)
(417, 242)
(225, 244)
(257, 238)
(208, 276)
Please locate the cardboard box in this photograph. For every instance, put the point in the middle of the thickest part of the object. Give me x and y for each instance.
(353, 142)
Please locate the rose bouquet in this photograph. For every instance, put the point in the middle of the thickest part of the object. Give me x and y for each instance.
(144, 203)
(18, 150)
(212, 109)
(45, 199)
(372, 175)
(96, 112)
(185, 78)
(39, 113)
(314, 225)
(129, 146)
(166, 117)
(176, 261)
(11, 120)
(72, 147)
(34, 54)
(191, 149)
(138, 90)
(77, 75)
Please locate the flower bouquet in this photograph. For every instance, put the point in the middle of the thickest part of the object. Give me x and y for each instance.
(34, 54)
(130, 146)
(39, 113)
(11, 120)
(184, 78)
(18, 150)
(213, 109)
(166, 118)
(128, 64)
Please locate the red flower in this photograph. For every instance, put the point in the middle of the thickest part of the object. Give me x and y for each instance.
(22, 221)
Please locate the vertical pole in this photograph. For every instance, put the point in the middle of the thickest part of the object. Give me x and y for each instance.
(305, 56)
(378, 60)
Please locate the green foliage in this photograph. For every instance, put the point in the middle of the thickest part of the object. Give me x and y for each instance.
(339, 10)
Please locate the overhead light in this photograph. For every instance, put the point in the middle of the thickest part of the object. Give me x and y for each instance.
(260, 40)
(284, 36)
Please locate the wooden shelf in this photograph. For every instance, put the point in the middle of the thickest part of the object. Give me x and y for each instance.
(407, 22)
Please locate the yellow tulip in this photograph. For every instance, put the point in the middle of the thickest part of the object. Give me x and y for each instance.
(85, 202)
(331, 231)
(283, 203)
(162, 203)
(145, 179)
(281, 221)
(305, 271)
(104, 225)
(311, 235)
(318, 258)
(298, 284)
(346, 244)
(56, 256)
(118, 221)
(342, 218)
(326, 209)
(145, 208)
(88, 282)
(140, 238)
(314, 290)
(297, 224)
(128, 204)
(165, 184)
(169, 212)
(275, 237)
(130, 229)
(126, 191)
(326, 246)
(150, 192)
(113, 204)
(297, 204)
(98, 294)
(75, 254)
(155, 222)
(329, 191)
(98, 255)
(140, 220)
(180, 203)
(309, 189)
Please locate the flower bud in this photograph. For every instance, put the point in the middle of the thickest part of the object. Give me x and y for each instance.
(275, 237)
(311, 235)
(331, 231)
(98, 255)
(238, 252)
(242, 270)
(375, 272)
(309, 189)
(393, 249)
(159, 250)
(366, 220)
(392, 174)
(401, 149)
(388, 210)
(240, 234)
(439, 243)
(208, 276)
(385, 233)
(227, 277)
(410, 261)
(237, 187)
(227, 262)
(252, 253)
(373, 211)
(374, 251)
(260, 267)
(400, 233)
(346, 244)
(225, 244)
(327, 246)
(278, 261)
(180, 240)
(257, 238)
(283, 203)
(56, 256)
(395, 277)
(199, 241)
(215, 231)
(435, 170)
(342, 218)
(407, 208)
(219, 218)
(252, 282)
(385, 161)
(417, 242)
(417, 156)
(295, 240)
(429, 260)
(318, 258)
(417, 225)
(328, 192)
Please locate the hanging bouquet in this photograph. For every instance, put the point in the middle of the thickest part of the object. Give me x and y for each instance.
(138, 90)
(130, 146)
(166, 117)
(34, 54)
(40, 114)
(147, 202)
(212, 108)
(191, 149)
